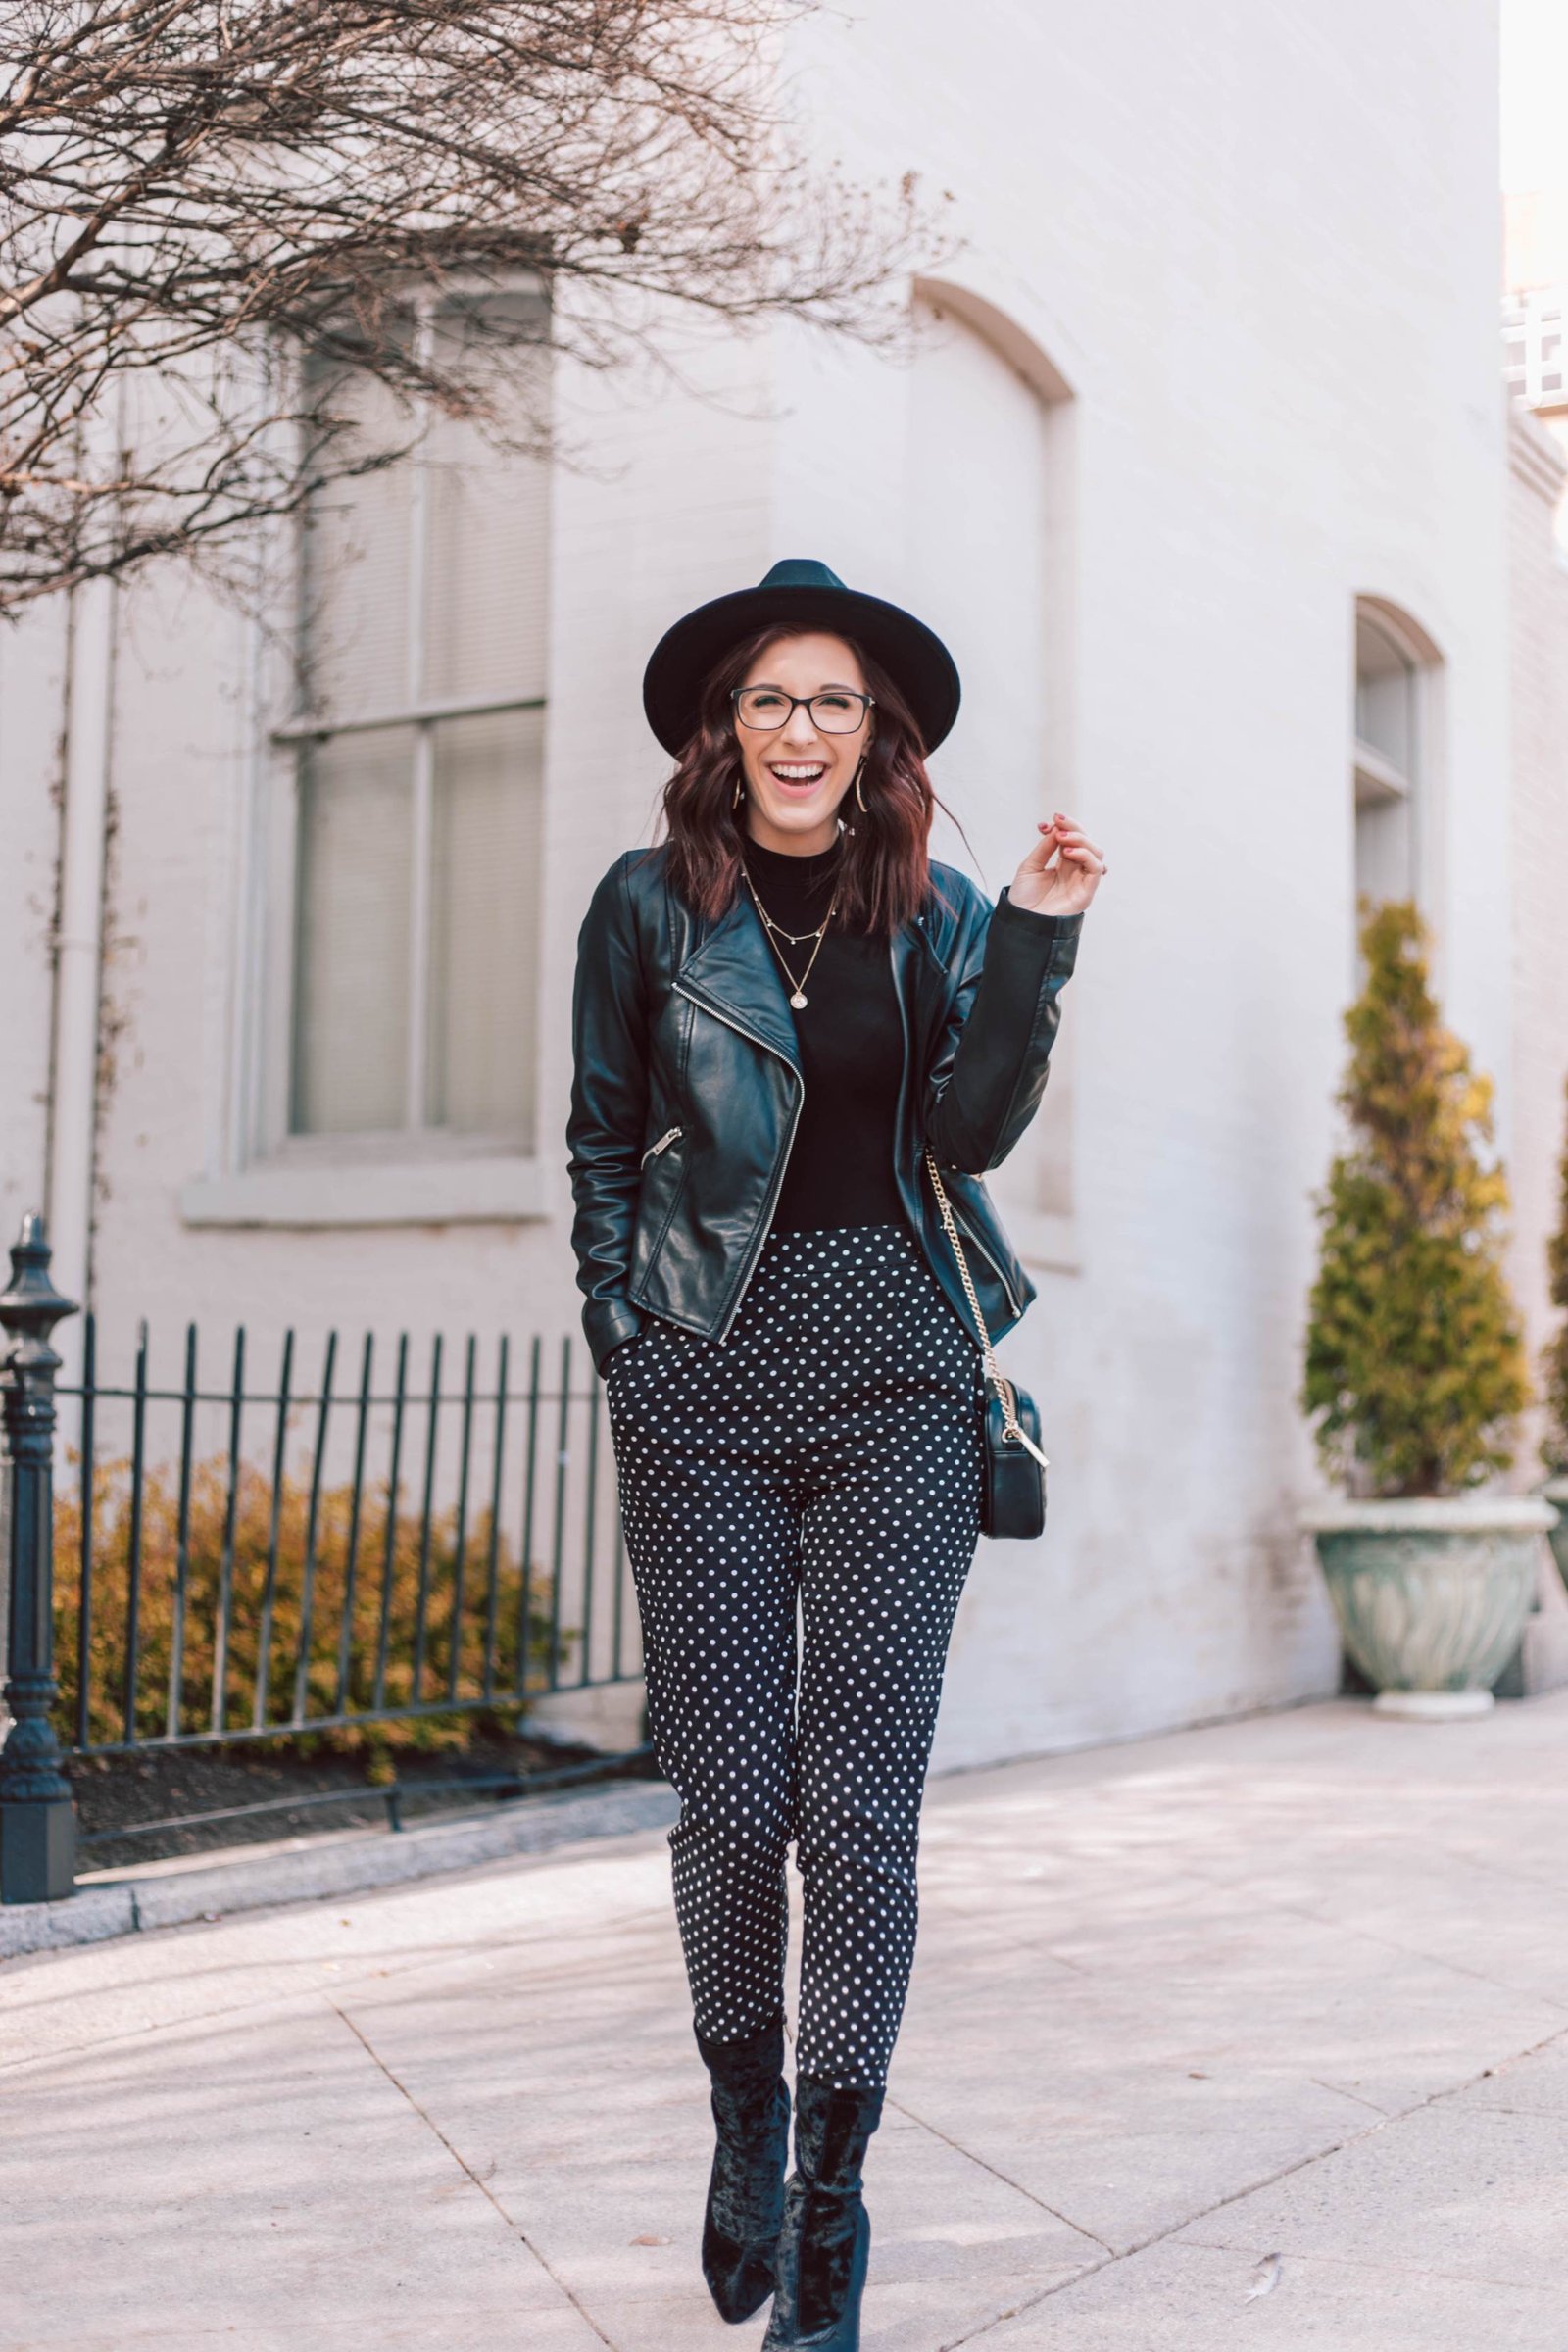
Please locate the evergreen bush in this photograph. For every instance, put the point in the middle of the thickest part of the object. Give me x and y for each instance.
(1415, 1361)
(1554, 1358)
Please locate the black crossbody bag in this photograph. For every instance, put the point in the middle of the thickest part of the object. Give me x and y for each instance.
(1013, 1498)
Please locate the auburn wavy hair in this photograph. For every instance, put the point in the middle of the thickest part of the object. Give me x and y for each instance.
(886, 874)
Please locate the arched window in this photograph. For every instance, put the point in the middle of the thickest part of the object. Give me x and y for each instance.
(989, 560)
(1392, 753)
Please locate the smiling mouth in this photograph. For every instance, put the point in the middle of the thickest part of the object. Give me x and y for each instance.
(801, 775)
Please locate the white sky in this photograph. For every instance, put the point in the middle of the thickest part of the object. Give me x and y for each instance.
(1535, 94)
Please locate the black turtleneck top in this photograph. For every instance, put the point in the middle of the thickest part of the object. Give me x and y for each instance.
(849, 1038)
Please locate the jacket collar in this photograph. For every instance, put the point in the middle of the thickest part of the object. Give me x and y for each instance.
(735, 973)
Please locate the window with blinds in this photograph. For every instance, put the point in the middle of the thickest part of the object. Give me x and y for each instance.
(420, 771)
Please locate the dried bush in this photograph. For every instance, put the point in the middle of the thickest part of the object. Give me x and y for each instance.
(259, 1558)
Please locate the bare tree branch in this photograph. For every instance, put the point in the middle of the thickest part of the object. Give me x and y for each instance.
(197, 194)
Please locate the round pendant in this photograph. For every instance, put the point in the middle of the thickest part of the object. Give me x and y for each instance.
(799, 1002)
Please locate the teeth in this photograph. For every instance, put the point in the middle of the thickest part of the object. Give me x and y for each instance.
(798, 775)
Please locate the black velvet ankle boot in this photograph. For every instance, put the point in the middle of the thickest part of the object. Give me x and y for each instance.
(746, 2189)
(825, 2244)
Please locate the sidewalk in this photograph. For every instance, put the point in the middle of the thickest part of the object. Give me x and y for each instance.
(1295, 1987)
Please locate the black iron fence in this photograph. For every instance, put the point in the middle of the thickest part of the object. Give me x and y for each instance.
(240, 1550)
(242, 1556)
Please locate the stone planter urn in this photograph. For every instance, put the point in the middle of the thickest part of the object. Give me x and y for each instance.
(1432, 1593)
(1556, 1491)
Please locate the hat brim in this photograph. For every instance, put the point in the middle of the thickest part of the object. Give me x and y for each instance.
(686, 656)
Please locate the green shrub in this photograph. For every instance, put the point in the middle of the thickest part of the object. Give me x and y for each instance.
(249, 1612)
(1416, 1360)
(1554, 1357)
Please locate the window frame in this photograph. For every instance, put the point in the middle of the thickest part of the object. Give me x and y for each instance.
(260, 1171)
(1420, 783)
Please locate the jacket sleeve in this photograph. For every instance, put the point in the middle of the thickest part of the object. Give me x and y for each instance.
(609, 1110)
(989, 1073)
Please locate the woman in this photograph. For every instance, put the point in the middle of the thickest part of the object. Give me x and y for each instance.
(776, 1012)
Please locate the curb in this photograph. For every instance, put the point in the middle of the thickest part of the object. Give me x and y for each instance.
(158, 1898)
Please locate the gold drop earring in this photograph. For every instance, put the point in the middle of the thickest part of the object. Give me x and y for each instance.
(738, 795)
(860, 797)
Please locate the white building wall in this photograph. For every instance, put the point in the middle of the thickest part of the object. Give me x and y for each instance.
(1264, 260)
(1539, 591)
(1251, 274)
(33, 675)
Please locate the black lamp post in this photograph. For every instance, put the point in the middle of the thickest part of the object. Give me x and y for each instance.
(37, 1817)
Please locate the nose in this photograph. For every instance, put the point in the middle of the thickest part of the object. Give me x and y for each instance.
(799, 731)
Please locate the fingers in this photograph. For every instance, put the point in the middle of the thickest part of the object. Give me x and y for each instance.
(1063, 833)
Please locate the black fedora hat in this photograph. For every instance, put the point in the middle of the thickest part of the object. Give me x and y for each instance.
(798, 593)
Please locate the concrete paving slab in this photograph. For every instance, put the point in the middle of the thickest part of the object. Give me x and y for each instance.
(607, 2147)
(1469, 1910)
(1535, 2085)
(565, 2330)
(1181, 2298)
(611, 1892)
(1469, 2192)
(1216, 2079)
(280, 2168)
(900, 2316)
(1118, 2188)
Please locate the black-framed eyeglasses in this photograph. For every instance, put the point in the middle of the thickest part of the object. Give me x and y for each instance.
(838, 710)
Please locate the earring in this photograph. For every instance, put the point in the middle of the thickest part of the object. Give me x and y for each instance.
(738, 795)
(860, 797)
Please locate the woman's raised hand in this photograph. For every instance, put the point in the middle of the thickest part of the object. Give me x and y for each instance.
(1066, 887)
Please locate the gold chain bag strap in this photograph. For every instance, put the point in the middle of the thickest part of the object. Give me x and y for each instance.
(1012, 1499)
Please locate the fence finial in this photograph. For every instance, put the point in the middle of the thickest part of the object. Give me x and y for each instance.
(37, 1815)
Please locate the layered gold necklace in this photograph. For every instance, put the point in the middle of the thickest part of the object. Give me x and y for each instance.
(796, 938)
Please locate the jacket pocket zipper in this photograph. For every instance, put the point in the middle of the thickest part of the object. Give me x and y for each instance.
(976, 1243)
(777, 1186)
(662, 1145)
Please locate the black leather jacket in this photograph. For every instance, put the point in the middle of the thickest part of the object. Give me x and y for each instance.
(687, 1087)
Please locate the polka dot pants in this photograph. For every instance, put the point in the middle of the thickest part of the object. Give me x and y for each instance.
(827, 1454)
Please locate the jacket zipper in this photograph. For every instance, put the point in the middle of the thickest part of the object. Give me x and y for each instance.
(662, 1145)
(975, 1243)
(753, 1038)
(777, 1186)
(1007, 1286)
